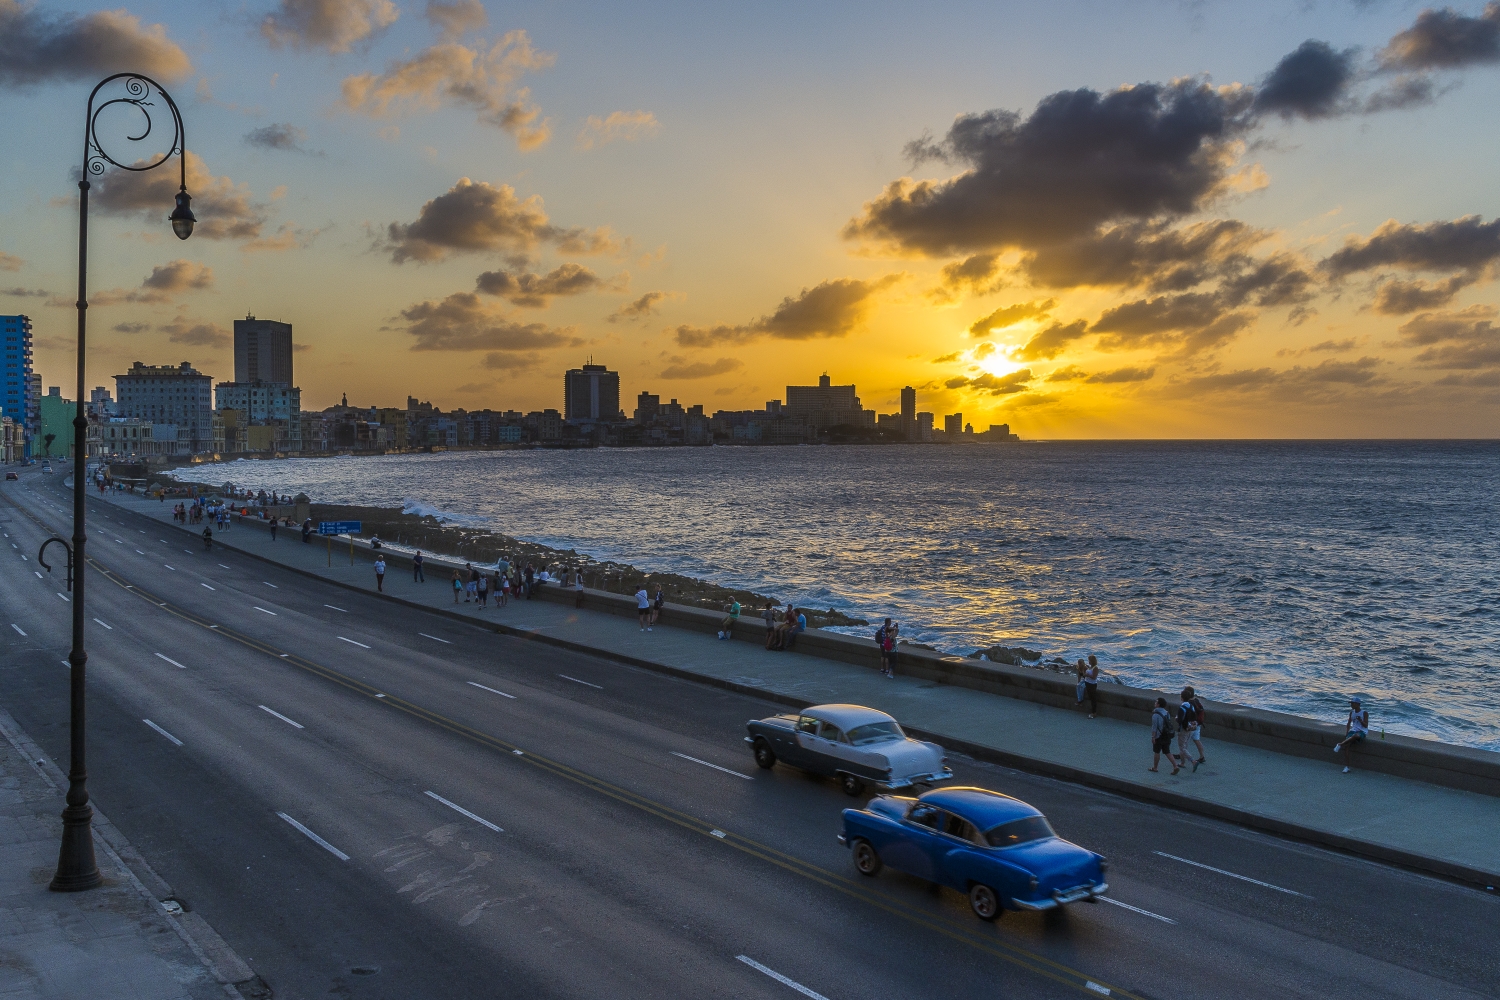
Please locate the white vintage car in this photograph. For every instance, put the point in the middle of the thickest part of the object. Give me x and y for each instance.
(858, 746)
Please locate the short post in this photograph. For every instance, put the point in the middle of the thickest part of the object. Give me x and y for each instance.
(351, 550)
(329, 540)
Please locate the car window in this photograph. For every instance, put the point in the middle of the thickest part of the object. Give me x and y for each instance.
(924, 815)
(831, 732)
(957, 826)
(807, 724)
(875, 732)
(1019, 831)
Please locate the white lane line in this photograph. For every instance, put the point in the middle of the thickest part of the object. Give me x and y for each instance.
(118, 542)
(139, 552)
(141, 530)
(1242, 878)
(353, 643)
(162, 540)
(172, 568)
(70, 600)
(271, 585)
(434, 638)
(38, 575)
(716, 767)
(382, 695)
(336, 609)
(1135, 909)
(575, 680)
(492, 691)
(171, 661)
(207, 586)
(257, 607)
(222, 566)
(783, 980)
(110, 627)
(460, 809)
(24, 559)
(282, 717)
(315, 838)
(16, 627)
(159, 729)
(1089, 984)
(188, 551)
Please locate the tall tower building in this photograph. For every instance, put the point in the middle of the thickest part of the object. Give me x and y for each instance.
(591, 393)
(909, 405)
(262, 351)
(18, 386)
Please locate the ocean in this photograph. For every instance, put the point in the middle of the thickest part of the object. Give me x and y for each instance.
(1283, 575)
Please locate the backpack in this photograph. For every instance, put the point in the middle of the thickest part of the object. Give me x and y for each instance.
(880, 637)
(1198, 711)
(1168, 727)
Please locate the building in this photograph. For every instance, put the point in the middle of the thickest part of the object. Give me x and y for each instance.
(101, 404)
(274, 405)
(953, 426)
(646, 405)
(262, 351)
(16, 382)
(909, 405)
(163, 394)
(130, 437)
(12, 441)
(826, 405)
(54, 437)
(591, 393)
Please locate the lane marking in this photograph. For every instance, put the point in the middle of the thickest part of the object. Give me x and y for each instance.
(783, 980)
(352, 642)
(336, 609)
(206, 585)
(188, 551)
(716, 767)
(1091, 985)
(1135, 909)
(24, 559)
(110, 627)
(257, 607)
(139, 552)
(282, 717)
(64, 597)
(460, 809)
(159, 729)
(271, 585)
(171, 661)
(315, 838)
(172, 568)
(575, 680)
(1242, 878)
(16, 627)
(382, 695)
(434, 638)
(222, 566)
(38, 575)
(490, 690)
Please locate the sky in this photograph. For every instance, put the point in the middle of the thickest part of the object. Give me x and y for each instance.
(1087, 220)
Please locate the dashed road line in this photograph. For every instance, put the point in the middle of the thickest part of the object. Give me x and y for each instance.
(64, 596)
(783, 980)
(461, 810)
(105, 624)
(353, 643)
(492, 690)
(38, 575)
(575, 680)
(159, 729)
(222, 566)
(1135, 909)
(171, 661)
(172, 568)
(336, 609)
(207, 587)
(17, 628)
(716, 767)
(271, 585)
(1242, 878)
(257, 607)
(281, 717)
(434, 638)
(315, 838)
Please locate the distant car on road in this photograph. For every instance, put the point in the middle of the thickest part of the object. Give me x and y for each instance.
(47, 468)
(998, 850)
(11, 475)
(858, 746)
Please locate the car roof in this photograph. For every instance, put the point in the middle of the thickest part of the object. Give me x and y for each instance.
(980, 806)
(846, 717)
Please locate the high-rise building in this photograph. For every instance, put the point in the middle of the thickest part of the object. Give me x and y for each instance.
(16, 382)
(591, 393)
(909, 404)
(262, 351)
(953, 426)
(826, 405)
(164, 394)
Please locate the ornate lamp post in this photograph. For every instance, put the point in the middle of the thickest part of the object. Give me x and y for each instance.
(76, 868)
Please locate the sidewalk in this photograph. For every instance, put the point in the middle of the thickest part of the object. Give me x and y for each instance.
(1440, 830)
(117, 941)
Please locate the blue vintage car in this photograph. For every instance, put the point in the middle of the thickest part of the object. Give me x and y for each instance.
(998, 850)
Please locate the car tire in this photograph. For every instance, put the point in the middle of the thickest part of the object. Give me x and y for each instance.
(850, 784)
(866, 859)
(983, 901)
(764, 755)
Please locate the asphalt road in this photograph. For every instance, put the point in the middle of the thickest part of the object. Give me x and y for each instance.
(504, 818)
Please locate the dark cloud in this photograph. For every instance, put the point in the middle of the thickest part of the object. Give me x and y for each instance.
(10, 262)
(131, 327)
(179, 276)
(1191, 322)
(973, 275)
(1010, 315)
(185, 331)
(1466, 340)
(1461, 245)
(680, 368)
(279, 135)
(1069, 373)
(945, 359)
(1310, 82)
(1445, 39)
(22, 293)
(536, 291)
(1278, 280)
(1052, 341)
(993, 385)
(1154, 254)
(475, 217)
(223, 208)
(642, 307)
(830, 309)
(333, 25)
(463, 322)
(456, 18)
(1119, 375)
(1330, 346)
(36, 48)
(1328, 382)
(1398, 298)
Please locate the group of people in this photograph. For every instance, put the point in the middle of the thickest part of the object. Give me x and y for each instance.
(474, 585)
(783, 627)
(649, 608)
(1186, 726)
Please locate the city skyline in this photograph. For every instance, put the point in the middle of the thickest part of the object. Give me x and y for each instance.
(1294, 233)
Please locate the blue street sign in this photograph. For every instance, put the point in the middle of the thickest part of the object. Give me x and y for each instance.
(340, 527)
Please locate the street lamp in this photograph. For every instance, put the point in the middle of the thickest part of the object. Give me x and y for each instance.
(76, 867)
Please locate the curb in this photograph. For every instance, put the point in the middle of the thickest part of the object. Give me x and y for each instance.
(1186, 803)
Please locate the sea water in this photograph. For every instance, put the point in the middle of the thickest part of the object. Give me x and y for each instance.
(1287, 576)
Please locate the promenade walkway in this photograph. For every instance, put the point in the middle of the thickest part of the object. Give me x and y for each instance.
(1427, 826)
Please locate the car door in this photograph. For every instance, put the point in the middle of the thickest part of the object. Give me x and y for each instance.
(913, 848)
(957, 855)
(844, 756)
(802, 747)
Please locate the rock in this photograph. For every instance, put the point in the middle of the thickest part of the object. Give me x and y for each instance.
(1016, 656)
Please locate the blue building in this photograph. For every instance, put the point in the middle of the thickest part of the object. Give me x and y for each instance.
(17, 385)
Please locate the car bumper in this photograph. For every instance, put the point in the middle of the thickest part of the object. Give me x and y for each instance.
(1062, 897)
(890, 785)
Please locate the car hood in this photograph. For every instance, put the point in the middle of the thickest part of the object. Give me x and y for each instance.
(910, 757)
(1056, 863)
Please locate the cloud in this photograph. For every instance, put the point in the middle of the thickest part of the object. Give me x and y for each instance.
(1445, 39)
(36, 48)
(282, 136)
(463, 322)
(1052, 341)
(619, 126)
(184, 331)
(994, 385)
(945, 359)
(1398, 298)
(223, 208)
(830, 309)
(20, 293)
(1068, 373)
(1467, 339)
(511, 362)
(642, 307)
(1330, 346)
(475, 217)
(1326, 383)
(1009, 316)
(179, 276)
(334, 25)
(454, 19)
(1463, 244)
(1310, 82)
(974, 275)
(1117, 375)
(131, 327)
(681, 369)
(536, 291)
(10, 262)
(481, 80)
(1192, 322)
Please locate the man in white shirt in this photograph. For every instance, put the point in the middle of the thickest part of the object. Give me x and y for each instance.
(643, 607)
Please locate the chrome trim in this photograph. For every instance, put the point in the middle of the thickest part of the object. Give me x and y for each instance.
(1062, 897)
(843, 840)
(946, 774)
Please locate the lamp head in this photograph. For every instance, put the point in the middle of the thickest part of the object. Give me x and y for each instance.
(182, 216)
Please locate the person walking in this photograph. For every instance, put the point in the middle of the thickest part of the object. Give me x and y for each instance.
(458, 585)
(380, 573)
(1200, 717)
(273, 529)
(471, 586)
(1161, 736)
(1091, 686)
(483, 592)
(307, 531)
(208, 538)
(1356, 728)
(1187, 719)
(892, 632)
(643, 608)
(416, 568)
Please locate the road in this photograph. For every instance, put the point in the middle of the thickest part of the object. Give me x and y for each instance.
(369, 800)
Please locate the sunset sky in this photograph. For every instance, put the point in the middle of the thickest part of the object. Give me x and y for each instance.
(1084, 219)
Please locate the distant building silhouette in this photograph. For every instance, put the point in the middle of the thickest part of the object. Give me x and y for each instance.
(262, 351)
(826, 405)
(591, 394)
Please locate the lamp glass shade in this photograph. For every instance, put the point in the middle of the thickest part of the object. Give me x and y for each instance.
(182, 216)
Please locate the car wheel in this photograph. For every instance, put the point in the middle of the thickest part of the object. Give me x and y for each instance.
(984, 902)
(851, 784)
(866, 859)
(764, 755)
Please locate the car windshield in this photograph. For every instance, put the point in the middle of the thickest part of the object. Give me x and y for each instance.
(875, 732)
(1019, 831)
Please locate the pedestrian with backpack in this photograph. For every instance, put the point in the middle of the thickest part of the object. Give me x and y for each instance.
(1200, 717)
(1187, 721)
(1161, 736)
